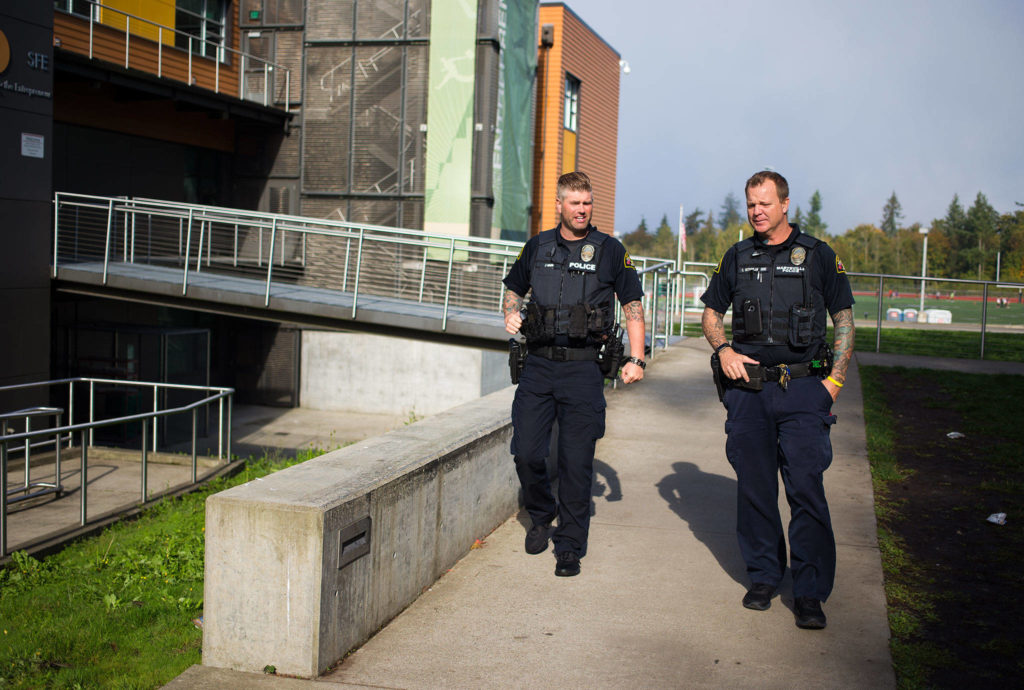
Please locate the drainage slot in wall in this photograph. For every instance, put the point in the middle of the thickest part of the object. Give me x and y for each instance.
(354, 542)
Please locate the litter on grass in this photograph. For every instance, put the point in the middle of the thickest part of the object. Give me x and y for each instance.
(997, 518)
(954, 434)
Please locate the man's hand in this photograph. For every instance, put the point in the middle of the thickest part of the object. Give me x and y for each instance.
(513, 322)
(732, 363)
(832, 389)
(511, 306)
(632, 372)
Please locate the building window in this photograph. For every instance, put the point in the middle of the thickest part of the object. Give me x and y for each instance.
(79, 7)
(569, 122)
(572, 101)
(206, 21)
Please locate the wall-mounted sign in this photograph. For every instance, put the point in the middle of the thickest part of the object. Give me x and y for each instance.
(5, 52)
(33, 145)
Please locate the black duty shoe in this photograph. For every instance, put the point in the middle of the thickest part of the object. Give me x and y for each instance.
(567, 564)
(537, 538)
(809, 614)
(759, 597)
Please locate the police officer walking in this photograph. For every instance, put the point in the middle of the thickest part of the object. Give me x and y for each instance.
(574, 272)
(778, 380)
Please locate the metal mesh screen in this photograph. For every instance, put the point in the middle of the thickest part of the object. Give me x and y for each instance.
(378, 100)
(330, 21)
(415, 143)
(288, 54)
(326, 112)
(380, 19)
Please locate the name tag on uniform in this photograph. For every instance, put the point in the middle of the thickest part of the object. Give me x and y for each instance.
(583, 267)
(789, 269)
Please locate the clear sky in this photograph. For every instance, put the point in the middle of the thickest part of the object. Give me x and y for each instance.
(855, 99)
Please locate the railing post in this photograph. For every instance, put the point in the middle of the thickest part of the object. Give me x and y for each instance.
(92, 408)
(190, 60)
(145, 467)
(71, 413)
(878, 323)
(448, 284)
(56, 236)
(423, 274)
(57, 452)
(84, 488)
(3, 498)
(227, 445)
(270, 261)
(984, 317)
(156, 408)
(199, 253)
(654, 314)
(127, 38)
(160, 51)
(194, 474)
(287, 91)
(188, 250)
(28, 451)
(266, 84)
(106, 245)
(359, 263)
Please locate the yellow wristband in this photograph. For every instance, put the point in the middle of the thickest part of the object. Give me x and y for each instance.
(835, 382)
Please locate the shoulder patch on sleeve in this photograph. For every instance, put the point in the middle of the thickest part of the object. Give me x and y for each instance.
(520, 254)
(839, 265)
(627, 262)
(719, 266)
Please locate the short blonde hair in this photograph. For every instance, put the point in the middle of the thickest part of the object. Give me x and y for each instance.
(573, 182)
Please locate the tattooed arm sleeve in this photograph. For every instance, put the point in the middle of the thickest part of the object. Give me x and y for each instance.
(843, 346)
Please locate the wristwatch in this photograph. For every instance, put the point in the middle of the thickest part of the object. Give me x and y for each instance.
(722, 347)
(637, 361)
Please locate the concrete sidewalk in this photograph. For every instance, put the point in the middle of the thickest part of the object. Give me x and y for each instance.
(658, 601)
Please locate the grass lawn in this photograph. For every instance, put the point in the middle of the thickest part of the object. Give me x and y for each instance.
(952, 578)
(115, 610)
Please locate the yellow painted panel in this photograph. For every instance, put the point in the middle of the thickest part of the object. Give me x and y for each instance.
(155, 12)
(568, 151)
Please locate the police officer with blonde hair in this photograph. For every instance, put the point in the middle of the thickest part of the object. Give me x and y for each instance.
(778, 379)
(573, 273)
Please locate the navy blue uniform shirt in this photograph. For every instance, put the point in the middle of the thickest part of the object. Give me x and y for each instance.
(828, 275)
(615, 267)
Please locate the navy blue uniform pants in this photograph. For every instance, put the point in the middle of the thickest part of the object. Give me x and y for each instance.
(775, 431)
(572, 393)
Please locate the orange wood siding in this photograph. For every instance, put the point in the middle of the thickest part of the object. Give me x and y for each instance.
(584, 55)
(146, 56)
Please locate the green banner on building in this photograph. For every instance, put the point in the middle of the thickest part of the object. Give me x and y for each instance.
(513, 140)
(449, 158)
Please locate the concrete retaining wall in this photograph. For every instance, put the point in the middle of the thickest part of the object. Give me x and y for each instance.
(374, 373)
(307, 563)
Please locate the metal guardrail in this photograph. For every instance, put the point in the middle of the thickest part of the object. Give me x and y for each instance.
(426, 268)
(57, 435)
(219, 50)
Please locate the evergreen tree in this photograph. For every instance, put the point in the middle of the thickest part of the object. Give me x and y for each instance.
(638, 241)
(892, 213)
(982, 222)
(798, 218)
(813, 225)
(730, 212)
(692, 221)
(664, 245)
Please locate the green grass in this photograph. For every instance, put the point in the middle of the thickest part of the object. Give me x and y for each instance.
(115, 610)
(991, 476)
(962, 311)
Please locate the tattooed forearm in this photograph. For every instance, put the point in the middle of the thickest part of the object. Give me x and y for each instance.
(511, 303)
(634, 311)
(843, 346)
(714, 327)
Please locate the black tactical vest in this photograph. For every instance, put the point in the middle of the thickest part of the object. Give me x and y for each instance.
(568, 306)
(775, 301)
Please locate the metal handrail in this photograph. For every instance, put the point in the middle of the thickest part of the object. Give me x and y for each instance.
(86, 429)
(110, 222)
(268, 66)
(28, 485)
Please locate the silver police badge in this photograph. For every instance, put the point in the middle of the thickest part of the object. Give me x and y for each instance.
(797, 256)
(587, 253)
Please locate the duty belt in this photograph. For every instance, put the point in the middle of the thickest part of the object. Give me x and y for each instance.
(780, 372)
(565, 354)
